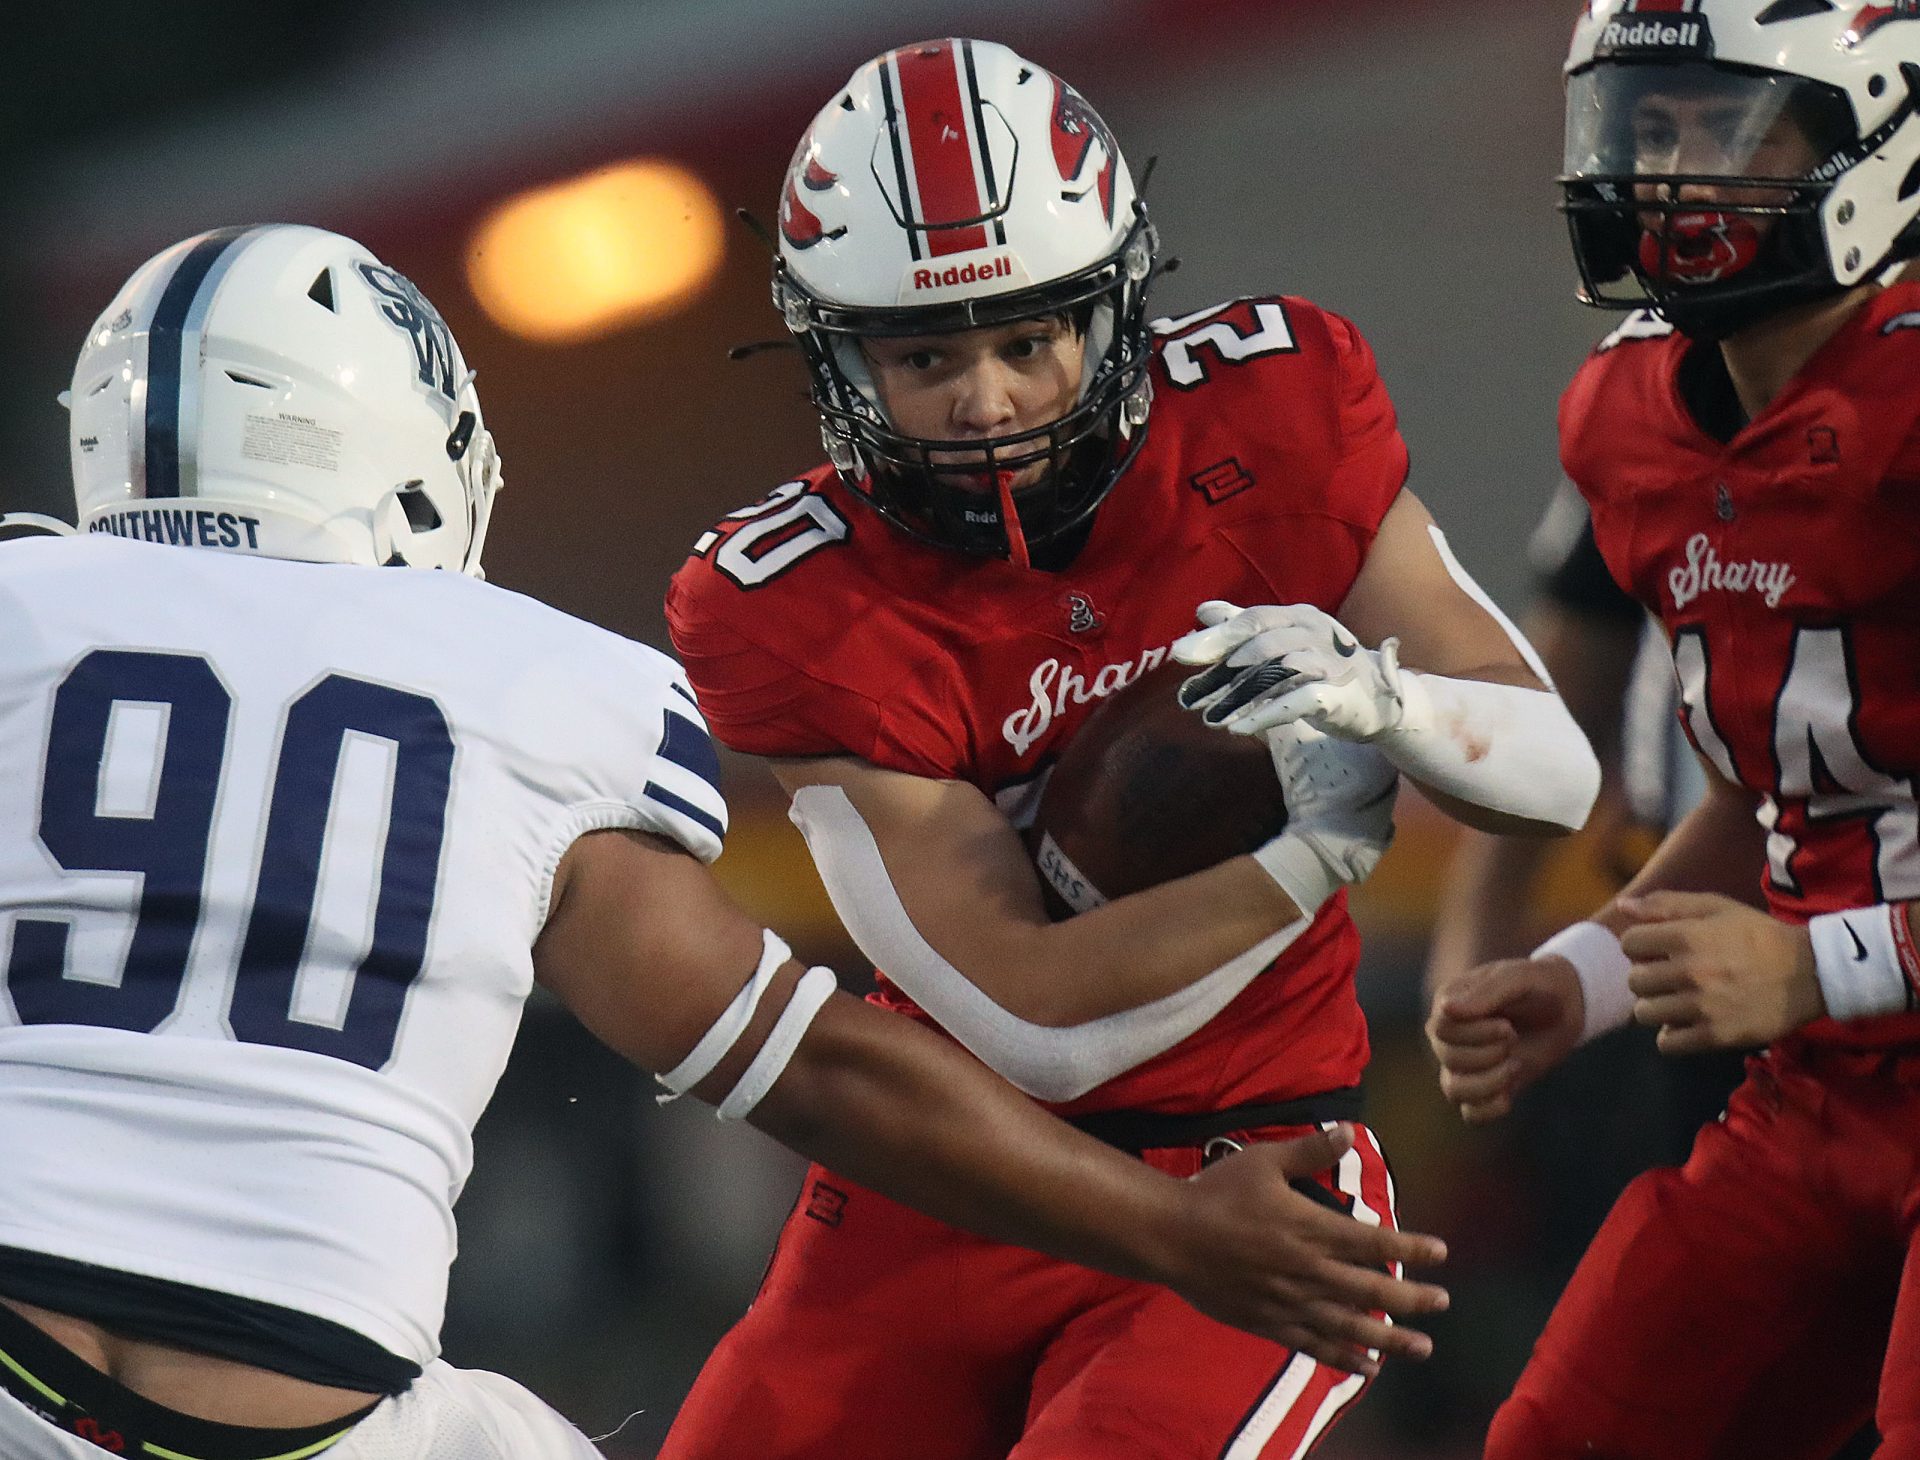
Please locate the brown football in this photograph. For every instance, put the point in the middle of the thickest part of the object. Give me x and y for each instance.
(1146, 792)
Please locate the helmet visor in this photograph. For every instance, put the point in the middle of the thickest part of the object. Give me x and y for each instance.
(1695, 120)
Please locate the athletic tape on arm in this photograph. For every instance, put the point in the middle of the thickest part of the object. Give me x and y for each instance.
(725, 1031)
(1047, 1063)
(809, 995)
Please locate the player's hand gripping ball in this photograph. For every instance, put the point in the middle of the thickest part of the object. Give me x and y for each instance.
(1278, 664)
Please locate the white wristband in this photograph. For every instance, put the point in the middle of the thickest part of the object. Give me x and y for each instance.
(783, 1039)
(1301, 872)
(1602, 965)
(1857, 958)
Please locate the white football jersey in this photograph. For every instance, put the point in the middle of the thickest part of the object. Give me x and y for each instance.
(276, 840)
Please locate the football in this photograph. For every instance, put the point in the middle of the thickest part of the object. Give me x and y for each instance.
(1145, 793)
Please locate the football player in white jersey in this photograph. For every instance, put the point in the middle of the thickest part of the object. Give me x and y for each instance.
(285, 842)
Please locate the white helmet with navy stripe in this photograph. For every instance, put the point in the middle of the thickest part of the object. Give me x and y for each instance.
(279, 390)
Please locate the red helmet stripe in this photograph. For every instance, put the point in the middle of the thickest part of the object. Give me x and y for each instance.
(945, 177)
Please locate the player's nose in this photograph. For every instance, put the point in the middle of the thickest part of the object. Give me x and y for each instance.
(1700, 192)
(983, 401)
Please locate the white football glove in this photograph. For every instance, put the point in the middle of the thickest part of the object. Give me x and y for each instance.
(1274, 665)
(1340, 797)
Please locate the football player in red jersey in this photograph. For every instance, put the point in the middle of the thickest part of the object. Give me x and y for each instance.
(1749, 448)
(1029, 493)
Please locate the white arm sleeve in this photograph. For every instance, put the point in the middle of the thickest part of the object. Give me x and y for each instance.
(1047, 1063)
(1501, 746)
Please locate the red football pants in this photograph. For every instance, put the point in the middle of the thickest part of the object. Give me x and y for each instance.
(1748, 1305)
(880, 1333)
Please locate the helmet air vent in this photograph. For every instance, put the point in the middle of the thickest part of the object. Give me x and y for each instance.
(238, 379)
(1910, 184)
(321, 290)
(1792, 10)
(422, 515)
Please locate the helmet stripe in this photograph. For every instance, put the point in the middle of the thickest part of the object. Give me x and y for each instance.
(908, 216)
(1662, 7)
(169, 368)
(981, 149)
(937, 133)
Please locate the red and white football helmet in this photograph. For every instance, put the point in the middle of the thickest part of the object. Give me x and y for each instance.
(952, 185)
(1800, 118)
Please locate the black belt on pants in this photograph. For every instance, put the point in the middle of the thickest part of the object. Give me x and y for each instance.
(73, 1396)
(1134, 1131)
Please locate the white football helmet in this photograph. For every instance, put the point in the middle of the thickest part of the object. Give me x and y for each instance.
(1805, 109)
(279, 390)
(952, 185)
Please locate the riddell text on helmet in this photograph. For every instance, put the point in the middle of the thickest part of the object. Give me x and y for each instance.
(997, 268)
(1650, 35)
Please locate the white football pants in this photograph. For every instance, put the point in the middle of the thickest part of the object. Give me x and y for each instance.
(448, 1414)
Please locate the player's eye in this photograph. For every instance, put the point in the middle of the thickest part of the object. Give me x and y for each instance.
(1028, 347)
(1726, 134)
(919, 359)
(1655, 137)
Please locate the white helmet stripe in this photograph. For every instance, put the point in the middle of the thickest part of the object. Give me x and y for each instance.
(171, 411)
(982, 150)
(909, 200)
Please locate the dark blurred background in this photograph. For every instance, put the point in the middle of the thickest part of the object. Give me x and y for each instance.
(560, 177)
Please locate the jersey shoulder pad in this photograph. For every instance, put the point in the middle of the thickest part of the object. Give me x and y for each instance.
(1194, 349)
(607, 727)
(766, 682)
(679, 796)
(1624, 375)
(1642, 324)
(760, 544)
(1300, 405)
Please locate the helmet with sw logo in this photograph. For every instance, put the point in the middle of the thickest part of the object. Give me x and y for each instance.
(951, 185)
(282, 379)
(1727, 159)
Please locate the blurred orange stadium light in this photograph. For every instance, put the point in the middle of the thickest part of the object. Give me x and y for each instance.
(582, 258)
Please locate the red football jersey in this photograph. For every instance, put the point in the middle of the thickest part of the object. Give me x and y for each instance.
(811, 626)
(1785, 565)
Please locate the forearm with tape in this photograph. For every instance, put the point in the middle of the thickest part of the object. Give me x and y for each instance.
(1048, 1063)
(776, 1050)
(1502, 746)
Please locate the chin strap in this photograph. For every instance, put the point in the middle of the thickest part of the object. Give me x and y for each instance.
(1010, 521)
(40, 522)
